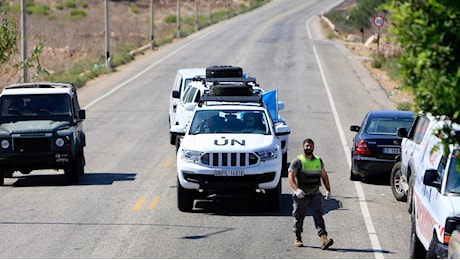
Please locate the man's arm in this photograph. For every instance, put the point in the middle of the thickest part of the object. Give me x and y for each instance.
(292, 180)
(325, 179)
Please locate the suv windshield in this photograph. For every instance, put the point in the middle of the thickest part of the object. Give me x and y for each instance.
(34, 105)
(230, 121)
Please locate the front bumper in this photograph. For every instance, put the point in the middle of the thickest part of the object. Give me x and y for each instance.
(20, 162)
(266, 175)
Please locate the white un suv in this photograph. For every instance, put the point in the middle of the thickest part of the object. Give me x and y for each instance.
(219, 154)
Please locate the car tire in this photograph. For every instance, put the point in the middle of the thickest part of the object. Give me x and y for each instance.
(431, 252)
(355, 177)
(284, 168)
(416, 249)
(185, 198)
(75, 169)
(273, 198)
(410, 196)
(397, 183)
(178, 139)
(172, 139)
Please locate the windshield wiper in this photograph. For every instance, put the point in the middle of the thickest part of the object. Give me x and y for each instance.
(12, 109)
(46, 110)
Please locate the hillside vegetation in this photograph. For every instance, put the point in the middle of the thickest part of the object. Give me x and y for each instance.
(66, 38)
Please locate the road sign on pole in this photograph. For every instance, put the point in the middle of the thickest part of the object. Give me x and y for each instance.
(378, 21)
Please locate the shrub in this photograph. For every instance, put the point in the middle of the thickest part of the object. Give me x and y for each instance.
(77, 14)
(134, 10)
(170, 19)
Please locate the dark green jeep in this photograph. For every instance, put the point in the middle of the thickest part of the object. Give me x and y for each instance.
(41, 128)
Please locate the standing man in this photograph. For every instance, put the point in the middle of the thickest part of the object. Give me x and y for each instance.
(305, 175)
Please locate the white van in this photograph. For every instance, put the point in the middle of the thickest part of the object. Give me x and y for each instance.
(435, 197)
(183, 78)
(412, 144)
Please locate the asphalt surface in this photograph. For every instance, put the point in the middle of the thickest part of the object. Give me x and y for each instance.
(125, 205)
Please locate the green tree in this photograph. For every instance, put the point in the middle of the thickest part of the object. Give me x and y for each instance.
(10, 65)
(8, 40)
(429, 34)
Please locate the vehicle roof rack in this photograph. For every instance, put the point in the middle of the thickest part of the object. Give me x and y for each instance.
(41, 85)
(242, 99)
(216, 81)
(231, 93)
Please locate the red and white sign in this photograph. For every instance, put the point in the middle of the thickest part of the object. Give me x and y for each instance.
(379, 21)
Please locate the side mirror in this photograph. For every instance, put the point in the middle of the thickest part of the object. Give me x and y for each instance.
(401, 132)
(82, 114)
(431, 178)
(175, 94)
(282, 129)
(355, 128)
(280, 105)
(190, 106)
(177, 130)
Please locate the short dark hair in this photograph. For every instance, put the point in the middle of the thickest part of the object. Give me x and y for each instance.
(308, 140)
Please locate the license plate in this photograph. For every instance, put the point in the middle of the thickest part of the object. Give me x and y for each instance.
(392, 150)
(229, 173)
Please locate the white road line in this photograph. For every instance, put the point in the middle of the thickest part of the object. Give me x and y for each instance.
(359, 190)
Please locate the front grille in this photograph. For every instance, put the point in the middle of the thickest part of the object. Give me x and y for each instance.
(229, 159)
(225, 184)
(30, 144)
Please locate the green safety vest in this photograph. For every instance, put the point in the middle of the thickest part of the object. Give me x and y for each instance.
(309, 178)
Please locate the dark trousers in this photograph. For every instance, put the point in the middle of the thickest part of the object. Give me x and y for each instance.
(300, 207)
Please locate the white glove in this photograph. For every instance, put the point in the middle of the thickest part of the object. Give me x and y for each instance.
(299, 193)
(328, 195)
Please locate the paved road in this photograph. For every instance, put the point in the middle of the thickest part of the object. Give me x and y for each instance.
(125, 205)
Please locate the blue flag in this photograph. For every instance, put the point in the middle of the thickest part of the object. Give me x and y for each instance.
(270, 100)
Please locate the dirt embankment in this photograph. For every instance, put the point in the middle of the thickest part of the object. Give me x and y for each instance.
(366, 45)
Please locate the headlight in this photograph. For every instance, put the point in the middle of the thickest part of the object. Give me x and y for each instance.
(5, 144)
(191, 155)
(59, 142)
(268, 155)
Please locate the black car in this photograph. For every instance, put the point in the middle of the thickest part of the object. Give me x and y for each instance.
(376, 144)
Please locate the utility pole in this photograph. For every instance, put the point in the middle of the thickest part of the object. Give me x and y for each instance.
(178, 20)
(108, 59)
(210, 12)
(25, 64)
(152, 25)
(196, 16)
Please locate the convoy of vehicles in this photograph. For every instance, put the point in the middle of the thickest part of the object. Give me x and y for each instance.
(199, 86)
(218, 154)
(41, 128)
(230, 139)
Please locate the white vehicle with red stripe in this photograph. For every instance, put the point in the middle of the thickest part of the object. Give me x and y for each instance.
(436, 198)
